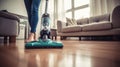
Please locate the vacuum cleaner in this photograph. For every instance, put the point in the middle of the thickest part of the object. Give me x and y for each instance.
(44, 40)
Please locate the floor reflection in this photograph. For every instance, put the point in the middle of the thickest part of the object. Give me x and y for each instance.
(58, 60)
(82, 61)
(68, 60)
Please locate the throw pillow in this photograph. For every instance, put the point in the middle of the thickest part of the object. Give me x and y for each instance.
(71, 22)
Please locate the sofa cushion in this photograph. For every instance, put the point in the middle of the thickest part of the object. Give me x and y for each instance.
(104, 25)
(74, 28)
(105, 17)
(82, 21)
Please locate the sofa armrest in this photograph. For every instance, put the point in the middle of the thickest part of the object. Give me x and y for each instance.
(60, 25)
(9, 16)
(116, 17)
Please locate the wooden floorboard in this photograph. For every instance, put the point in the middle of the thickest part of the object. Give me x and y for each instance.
(75, 53)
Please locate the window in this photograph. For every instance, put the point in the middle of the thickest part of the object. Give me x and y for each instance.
(80, 2)
(82, 13)
(68, 4)
(77, 8)
(68, 14)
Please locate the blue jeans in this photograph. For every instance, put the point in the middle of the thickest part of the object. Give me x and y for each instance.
(32, 7)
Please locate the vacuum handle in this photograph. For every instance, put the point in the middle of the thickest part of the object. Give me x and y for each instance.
(46, 6)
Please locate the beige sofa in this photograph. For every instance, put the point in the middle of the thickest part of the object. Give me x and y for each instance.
(103, 25)
(9, 26)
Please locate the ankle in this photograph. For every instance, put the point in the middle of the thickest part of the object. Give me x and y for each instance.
(35, 36)
(32, 33)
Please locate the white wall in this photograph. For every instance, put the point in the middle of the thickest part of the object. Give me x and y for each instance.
(14, 6)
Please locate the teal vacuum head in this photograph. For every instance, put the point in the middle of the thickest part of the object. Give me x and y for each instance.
(43, 44)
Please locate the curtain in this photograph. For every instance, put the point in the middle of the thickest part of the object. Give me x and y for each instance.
(99, 7)
(61, 10)
(59, 13)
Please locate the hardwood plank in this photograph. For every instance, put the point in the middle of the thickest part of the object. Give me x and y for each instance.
(74, 54)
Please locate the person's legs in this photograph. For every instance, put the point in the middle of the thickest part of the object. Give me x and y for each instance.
(32, 7)
(28, 4)
(34, 15)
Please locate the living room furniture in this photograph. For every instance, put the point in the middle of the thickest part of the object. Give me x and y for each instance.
(9, 26)
(53, 34)
(102, 25)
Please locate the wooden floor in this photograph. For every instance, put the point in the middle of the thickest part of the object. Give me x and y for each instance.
(74, 54)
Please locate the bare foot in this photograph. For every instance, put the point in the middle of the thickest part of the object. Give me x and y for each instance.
(30, 37)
